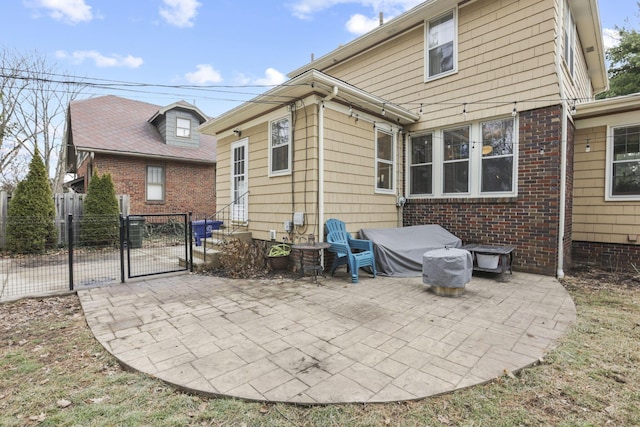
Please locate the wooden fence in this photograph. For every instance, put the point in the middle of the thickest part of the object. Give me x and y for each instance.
(66, 203)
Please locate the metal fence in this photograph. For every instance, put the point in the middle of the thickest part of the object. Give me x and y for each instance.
(102, 251)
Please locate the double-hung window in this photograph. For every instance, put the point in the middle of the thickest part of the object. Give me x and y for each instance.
(183, 127)
(497, 156)
(624, 164)
(569, 29)
(441, 45)
(455, 160)
(477, 160)
(385, 161)
(421, 164)
(280, 146)
(155, 183)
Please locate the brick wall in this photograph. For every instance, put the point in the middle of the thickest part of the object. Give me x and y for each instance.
(609, 256)
(529, 221)
(189, 187)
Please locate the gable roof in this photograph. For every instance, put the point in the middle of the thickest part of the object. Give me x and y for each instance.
(309, 83)
(114, 125)
(585, 13)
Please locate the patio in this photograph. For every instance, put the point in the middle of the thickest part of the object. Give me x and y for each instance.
(384, 339)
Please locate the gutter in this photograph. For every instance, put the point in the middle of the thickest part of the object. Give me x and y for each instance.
(327, 98)
(563, 152)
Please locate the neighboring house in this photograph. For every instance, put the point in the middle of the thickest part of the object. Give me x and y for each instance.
(453, 113)
(154, 154)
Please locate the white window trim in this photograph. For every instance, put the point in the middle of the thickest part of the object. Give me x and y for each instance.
(286, 171)
(409, 164)
(475, 164)
(569, 48)
(179, 127)
(454, 70)
(608, 179)
(163, 184)
(393, 161)
(244, 142)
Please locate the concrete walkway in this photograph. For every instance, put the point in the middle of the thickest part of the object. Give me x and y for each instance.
(384, 339)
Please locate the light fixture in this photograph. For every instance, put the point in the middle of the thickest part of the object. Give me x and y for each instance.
(464, 110)
(383, 112)
(541, 149)
(237, 132)
(420, 112)
(587, 148)
(350, 111)
(514, 112)
(573, 106)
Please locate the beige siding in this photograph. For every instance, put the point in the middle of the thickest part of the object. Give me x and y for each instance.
(350, 175)
(506, 53)
(594, 219)
(271, 199)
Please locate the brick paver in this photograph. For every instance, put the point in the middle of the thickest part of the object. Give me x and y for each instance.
(384, 339)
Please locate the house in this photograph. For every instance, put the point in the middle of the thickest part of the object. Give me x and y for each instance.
(154, 154)
(606, 195)
(461, 114)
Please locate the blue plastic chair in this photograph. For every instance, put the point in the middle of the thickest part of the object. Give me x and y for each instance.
(343, 246)
(335, 225)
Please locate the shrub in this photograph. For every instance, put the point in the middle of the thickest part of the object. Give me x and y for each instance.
(31, 213)
(100, 223)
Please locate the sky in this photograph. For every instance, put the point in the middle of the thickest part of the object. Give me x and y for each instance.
(236, 48)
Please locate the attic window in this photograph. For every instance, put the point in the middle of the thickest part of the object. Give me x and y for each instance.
(183, 127)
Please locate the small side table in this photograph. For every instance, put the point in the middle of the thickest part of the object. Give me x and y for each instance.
(504, 256)
(314, 265)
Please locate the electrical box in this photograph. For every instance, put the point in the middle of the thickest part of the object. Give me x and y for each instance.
(298, 218)
(272, 234)
(288, 226)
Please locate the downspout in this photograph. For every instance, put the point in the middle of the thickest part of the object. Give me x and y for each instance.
(327, 98)
(563, 148)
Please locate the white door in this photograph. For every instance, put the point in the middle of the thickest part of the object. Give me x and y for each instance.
(240, 180)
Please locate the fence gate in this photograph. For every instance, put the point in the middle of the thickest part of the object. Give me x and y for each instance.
(155, 244)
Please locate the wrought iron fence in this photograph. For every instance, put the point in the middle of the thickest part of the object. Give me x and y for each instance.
(97, 251)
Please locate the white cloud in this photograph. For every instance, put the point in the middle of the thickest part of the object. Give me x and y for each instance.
(204, 74)
(180, 13)
(304, 9)
(68, 11)
(100, 60)
(360, 24)
(272, 77)
(610, 37)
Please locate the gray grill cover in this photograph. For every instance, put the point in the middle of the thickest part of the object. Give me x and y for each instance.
(399, 251)
(449, 268)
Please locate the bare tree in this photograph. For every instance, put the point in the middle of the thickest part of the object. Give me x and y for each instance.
(34, 101)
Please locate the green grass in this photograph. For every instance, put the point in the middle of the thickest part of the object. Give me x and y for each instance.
(590, 379)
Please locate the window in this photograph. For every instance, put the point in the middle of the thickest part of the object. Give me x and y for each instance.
(478, 160)
(456, 160)
(155, 183)
(384, 161)
(625, 162)
(497, 156)
(569, 28)
(183, 127)
(421, 164)
(280, 146)
(441, 47)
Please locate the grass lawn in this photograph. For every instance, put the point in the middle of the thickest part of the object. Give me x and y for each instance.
(53, 372)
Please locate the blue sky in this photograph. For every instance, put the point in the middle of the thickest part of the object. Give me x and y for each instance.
(238, 44)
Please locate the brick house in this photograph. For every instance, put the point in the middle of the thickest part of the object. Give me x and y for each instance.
(462, 114)
(154, 154)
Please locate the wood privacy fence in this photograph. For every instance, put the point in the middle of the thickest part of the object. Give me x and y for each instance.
(66, 203)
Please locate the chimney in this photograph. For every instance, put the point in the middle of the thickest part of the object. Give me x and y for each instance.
(381, 19)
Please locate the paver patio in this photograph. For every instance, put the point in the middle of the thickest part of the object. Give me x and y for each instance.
(381, 340)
